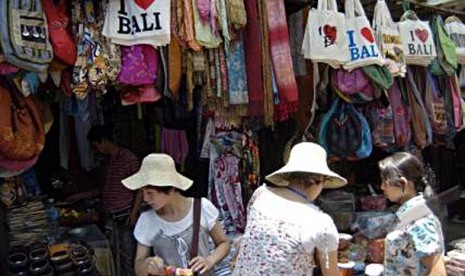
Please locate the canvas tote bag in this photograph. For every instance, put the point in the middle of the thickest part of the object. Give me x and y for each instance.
(388, 39)
(417, 40)
(362, 43)
(130, 22)
(456, 30)
(325, 37)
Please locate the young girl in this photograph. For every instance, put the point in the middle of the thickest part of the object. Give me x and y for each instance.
(416, 246)
(168, 226)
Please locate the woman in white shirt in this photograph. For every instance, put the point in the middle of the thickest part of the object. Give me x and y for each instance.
(168, 226)
(284, 227)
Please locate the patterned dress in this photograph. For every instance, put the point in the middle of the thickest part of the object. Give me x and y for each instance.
(281, 236)
(418, 235)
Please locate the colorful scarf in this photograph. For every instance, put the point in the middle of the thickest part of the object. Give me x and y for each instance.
(266, 67)
(253, 57)
(282, 59)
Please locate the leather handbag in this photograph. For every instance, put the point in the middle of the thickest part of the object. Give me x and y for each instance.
(22, 133)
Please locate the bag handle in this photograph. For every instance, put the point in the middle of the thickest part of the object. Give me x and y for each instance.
(382, 16)
(354, 9)
(453, 18)
(196, 228)
(324, 5)
(409, 15)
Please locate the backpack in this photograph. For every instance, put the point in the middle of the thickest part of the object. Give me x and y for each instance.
(445, 64)
(344, 132)
(63, 44)
(24, 36)
(382, 123)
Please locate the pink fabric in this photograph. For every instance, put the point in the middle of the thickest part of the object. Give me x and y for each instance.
(174, 143)
(203, 6)
(6, 68)
(139, 65)
(351, 82)
(281, 59)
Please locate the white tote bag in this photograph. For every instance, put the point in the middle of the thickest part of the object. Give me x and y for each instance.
(132, 22)
(417, 40)
(362, 43)
(388, 39)
(456, 30)
(325, 38)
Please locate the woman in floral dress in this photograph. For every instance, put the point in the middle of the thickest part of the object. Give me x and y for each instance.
(285, 230)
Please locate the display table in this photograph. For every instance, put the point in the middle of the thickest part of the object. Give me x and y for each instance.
(92, 235)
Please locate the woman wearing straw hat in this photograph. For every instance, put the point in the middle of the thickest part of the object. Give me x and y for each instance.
(167, 227)
(284, 227)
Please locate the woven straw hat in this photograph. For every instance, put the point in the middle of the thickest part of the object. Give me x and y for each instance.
(157, 170)
(311, 158)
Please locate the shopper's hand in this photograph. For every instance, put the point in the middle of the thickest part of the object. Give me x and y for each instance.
(155, 265)
(202, 264)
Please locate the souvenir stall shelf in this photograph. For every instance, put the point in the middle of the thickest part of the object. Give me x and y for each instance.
(211, 83)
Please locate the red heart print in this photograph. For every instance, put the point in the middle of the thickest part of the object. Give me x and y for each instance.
(330, 32)
(367, 34)
(422, 34)
(144, 4)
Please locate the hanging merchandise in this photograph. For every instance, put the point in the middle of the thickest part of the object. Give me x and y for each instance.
(445, 63)
(401, 116)
(362, 43)
(281, 60)
(24, 36)
(352, 86)
(237, 78)
(5, 67)
(421, 126)
(456, 30)
(417, 40)
(388, 39)
(63, 44)
(21, 128)
(344, 132)
(130, 22)
(139, 65)
(325, 37)
(382, 123)
(436, 108)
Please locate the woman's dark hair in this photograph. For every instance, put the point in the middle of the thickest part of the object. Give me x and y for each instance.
(99, 132)
(310, 178)
(404, 164)
(166, 189)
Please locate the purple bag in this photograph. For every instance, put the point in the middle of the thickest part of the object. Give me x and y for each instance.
(139, 65)
(351, 82)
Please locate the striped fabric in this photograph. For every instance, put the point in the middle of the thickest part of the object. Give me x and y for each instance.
(115, 196)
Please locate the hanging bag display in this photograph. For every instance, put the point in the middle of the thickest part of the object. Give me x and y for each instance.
(362, 43)
(325, 37)
(417, 40)
(400, 114)
(344, 132)
(388, 39)
(445, 63)
(435, 106)
(421, 126)
(456, 31)
(22, 133)
(24, 34)
(63, 44)
(130, 22)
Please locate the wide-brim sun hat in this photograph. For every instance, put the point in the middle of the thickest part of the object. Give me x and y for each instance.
(159, 170)
(307, 157)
